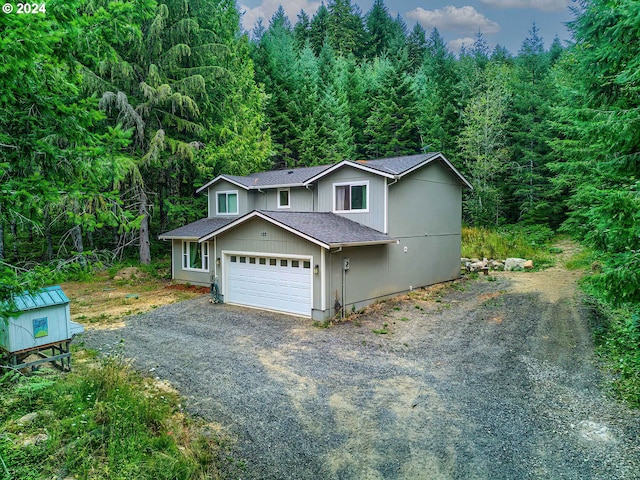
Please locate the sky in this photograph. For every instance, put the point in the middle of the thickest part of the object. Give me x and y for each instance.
(504, 22)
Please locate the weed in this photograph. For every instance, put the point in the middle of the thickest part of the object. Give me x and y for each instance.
(380, 331)
(404, 319)
(102, 421)
(513, 241)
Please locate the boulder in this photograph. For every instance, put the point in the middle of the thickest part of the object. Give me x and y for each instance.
(496, 265)
(528, 265)
(511, 264)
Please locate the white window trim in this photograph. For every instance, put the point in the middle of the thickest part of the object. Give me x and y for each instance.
(351, 184)
(186, 255)
(227, 192)
(288, 196)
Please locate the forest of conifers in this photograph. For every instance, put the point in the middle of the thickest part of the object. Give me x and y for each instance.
(112, 113)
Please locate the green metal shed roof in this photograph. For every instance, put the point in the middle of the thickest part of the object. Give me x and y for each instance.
(46, 297)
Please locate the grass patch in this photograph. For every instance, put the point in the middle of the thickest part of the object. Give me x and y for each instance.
(581, 260)
(530, 242)
(617, 336)
(102, 420)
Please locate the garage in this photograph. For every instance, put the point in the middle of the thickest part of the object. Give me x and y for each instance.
(270, 282)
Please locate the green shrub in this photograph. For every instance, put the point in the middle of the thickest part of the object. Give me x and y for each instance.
(529, 242)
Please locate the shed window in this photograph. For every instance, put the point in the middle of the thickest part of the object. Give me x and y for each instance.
(283, 198)
(352, 196)
(227, 203)
(195, 256)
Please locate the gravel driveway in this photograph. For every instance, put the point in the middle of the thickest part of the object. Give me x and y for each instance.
(482, 381)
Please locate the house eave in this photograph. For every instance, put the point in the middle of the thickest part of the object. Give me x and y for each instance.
(222, 177)
(362, 244)
(178, 237)
(258, 214)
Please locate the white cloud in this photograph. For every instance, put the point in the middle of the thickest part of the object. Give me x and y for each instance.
(544, 5)
(268, 7)
(456, 45)
(464, 20)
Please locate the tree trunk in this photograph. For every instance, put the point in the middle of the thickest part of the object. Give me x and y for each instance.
(14, 236)
(145, 252)
(76, 235)
(47, 235)
(1, 240)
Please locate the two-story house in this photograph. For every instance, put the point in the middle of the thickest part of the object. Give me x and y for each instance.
(308, 241)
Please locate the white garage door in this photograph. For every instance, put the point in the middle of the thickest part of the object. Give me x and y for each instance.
(274, 283)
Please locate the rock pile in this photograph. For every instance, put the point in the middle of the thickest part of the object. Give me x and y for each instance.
(485, 265)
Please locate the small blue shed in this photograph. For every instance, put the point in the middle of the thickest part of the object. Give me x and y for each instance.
(41, 321)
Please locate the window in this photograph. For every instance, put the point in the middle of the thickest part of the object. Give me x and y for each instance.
(227, 203)
(272, 262)
(306, 264)
(263, 261)
(352, 196)
(295, 263)
(195, 256)
(283, 263)
(283, 198)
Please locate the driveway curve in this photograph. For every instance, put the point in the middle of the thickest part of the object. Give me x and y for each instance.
(485, 379)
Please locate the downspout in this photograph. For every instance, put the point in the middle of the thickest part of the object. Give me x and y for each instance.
(265, 197)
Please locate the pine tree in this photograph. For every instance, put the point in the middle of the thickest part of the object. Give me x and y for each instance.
(392, 128)
(379, 28)
(344, 27)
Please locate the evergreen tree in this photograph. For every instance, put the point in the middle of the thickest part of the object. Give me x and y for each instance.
(319, 28)
(598, 141)
(344, 27)
(392, 128)
(302, 30)
(533, 93)
(379, 28)
(417, 47)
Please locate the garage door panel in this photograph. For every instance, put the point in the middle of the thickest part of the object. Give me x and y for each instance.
(283, 286)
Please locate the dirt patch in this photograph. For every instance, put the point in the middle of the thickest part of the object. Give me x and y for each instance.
(105, 302)
(554, 283)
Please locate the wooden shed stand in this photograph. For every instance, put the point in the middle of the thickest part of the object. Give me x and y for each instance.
(41, 325)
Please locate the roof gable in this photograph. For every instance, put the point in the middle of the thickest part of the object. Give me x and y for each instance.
(322, 228)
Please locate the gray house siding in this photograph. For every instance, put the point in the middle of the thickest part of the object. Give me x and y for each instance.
(300, 200)
(425, 210)
(364, 282)
(189, 276)
(374, 218)
(224, 186)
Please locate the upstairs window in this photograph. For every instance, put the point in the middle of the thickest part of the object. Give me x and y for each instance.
(227, 203)
(195, 256)
(351, 196)
(283, 198)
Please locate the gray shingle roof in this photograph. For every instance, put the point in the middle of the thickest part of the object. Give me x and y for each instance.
(289, 176)
(300, 176)
(397, 165)
(198, 229)
(328, 227)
